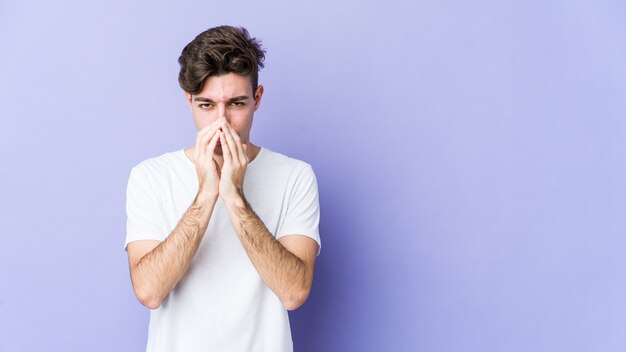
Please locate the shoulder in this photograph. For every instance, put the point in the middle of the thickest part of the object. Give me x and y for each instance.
(275, 160)
(291, 173)
(158, 166)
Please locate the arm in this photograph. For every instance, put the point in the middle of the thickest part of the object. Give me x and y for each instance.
(156, 267)
(286, 265)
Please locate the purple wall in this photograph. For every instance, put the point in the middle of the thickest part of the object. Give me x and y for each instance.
(470, 158)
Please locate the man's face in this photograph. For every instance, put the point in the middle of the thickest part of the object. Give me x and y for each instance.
(230, 96)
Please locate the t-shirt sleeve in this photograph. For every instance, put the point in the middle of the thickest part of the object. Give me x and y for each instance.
(302, 216)
(144, 217)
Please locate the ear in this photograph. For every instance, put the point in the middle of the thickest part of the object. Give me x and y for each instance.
(188, 97)
(258, 96)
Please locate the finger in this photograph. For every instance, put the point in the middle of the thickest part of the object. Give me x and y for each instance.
(204, 137)
(242, 154)
(231, 143)
(197, 150)
(225, 149)
(206, 129)
(201, 143)
(210, 148)
(237, 147)
(212, 138)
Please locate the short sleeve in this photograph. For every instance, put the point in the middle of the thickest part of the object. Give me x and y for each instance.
(302, 216)
(144, 218)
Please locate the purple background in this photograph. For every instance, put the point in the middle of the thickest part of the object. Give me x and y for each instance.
(470, 159)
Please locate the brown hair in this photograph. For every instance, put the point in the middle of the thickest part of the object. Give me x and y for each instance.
(217, 51)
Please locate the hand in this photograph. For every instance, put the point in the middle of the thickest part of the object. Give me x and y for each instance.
(234, 166)
(206, 167)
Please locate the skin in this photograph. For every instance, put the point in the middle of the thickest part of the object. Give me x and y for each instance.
(223, 112)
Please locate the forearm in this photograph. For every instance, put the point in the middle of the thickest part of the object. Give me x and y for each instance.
(156, 274)
(282, 271)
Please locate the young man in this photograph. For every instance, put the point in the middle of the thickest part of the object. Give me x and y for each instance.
(222, 236)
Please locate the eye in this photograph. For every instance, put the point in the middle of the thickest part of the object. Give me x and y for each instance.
(204, 106)
(238, 103)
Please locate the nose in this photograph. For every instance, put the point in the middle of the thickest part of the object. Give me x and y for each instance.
(222, 112)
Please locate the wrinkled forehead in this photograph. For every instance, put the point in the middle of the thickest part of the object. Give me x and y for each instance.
(226, 87)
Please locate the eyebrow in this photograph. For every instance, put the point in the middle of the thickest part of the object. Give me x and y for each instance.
(207, 100)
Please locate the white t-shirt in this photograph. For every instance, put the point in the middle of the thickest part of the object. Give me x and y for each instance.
(221, 303)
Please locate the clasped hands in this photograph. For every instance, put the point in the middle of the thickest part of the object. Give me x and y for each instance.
(226, 179)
